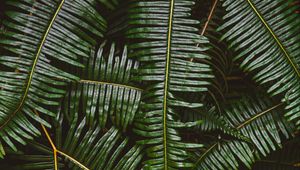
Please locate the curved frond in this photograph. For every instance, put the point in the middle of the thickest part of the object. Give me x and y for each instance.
(105, 89)
(288, 158)
(224, 155)
(212, 121)
(260, 120)
(265, 35)
(111, 151)
(164, 40)
(39, 34)
(83, 151)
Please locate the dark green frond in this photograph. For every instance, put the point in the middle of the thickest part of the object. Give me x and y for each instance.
(224, 155)
(212, 121)
(38, 35)
(260, 120)
(76, 146)
(288, 158)
(149, 84)
(262, 126)
(265, 36)
(111, 151)
(105, 89)
(164, 39)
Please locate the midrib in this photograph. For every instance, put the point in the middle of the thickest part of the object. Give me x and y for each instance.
(30, 76)
(275, 37)
(258, 115)
(110, 83)
(166, 83)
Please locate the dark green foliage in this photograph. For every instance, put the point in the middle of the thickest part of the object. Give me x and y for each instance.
(266, 36)
(149, 84)
(37, 35)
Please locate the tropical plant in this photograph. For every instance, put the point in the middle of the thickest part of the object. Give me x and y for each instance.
(149, 84)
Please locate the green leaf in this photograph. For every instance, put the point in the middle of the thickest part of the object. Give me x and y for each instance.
(224, 155)
(38, 36)
(78, 146)
(264, 35)
(105, 89)
(164, 39)
(260, 120)
(287, 158)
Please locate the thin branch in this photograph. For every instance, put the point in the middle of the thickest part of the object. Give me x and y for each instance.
(209, 17)
(207, 22)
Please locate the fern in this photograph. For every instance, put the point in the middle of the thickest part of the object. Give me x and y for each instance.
(149, 84)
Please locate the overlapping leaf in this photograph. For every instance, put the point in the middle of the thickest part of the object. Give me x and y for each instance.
(104, 89)
(37, 36)
(224, 155)
(164, 40)
(257, 120)
(261, 120)
(265, 36)
(288, 158)
(82, 147)
(111, 151)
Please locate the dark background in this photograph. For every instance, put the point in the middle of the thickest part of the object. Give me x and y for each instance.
(2, 7)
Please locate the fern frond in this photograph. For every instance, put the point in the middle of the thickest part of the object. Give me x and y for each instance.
(73, 144)
(264, 34)
(260, 120)
(104, 89)
(287, 158)
(39, 35)
(164, 40)
(225, 155)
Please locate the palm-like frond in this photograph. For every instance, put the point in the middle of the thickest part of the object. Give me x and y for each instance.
(264, 33)
(261, 123)
(82, 147)
(261, 120)
(117, 84)
(111, 151)
(80, 139)
(39, 34)
(224, 155)
(288, 158)
(104, 89)
(165, 40)
(212, 121)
